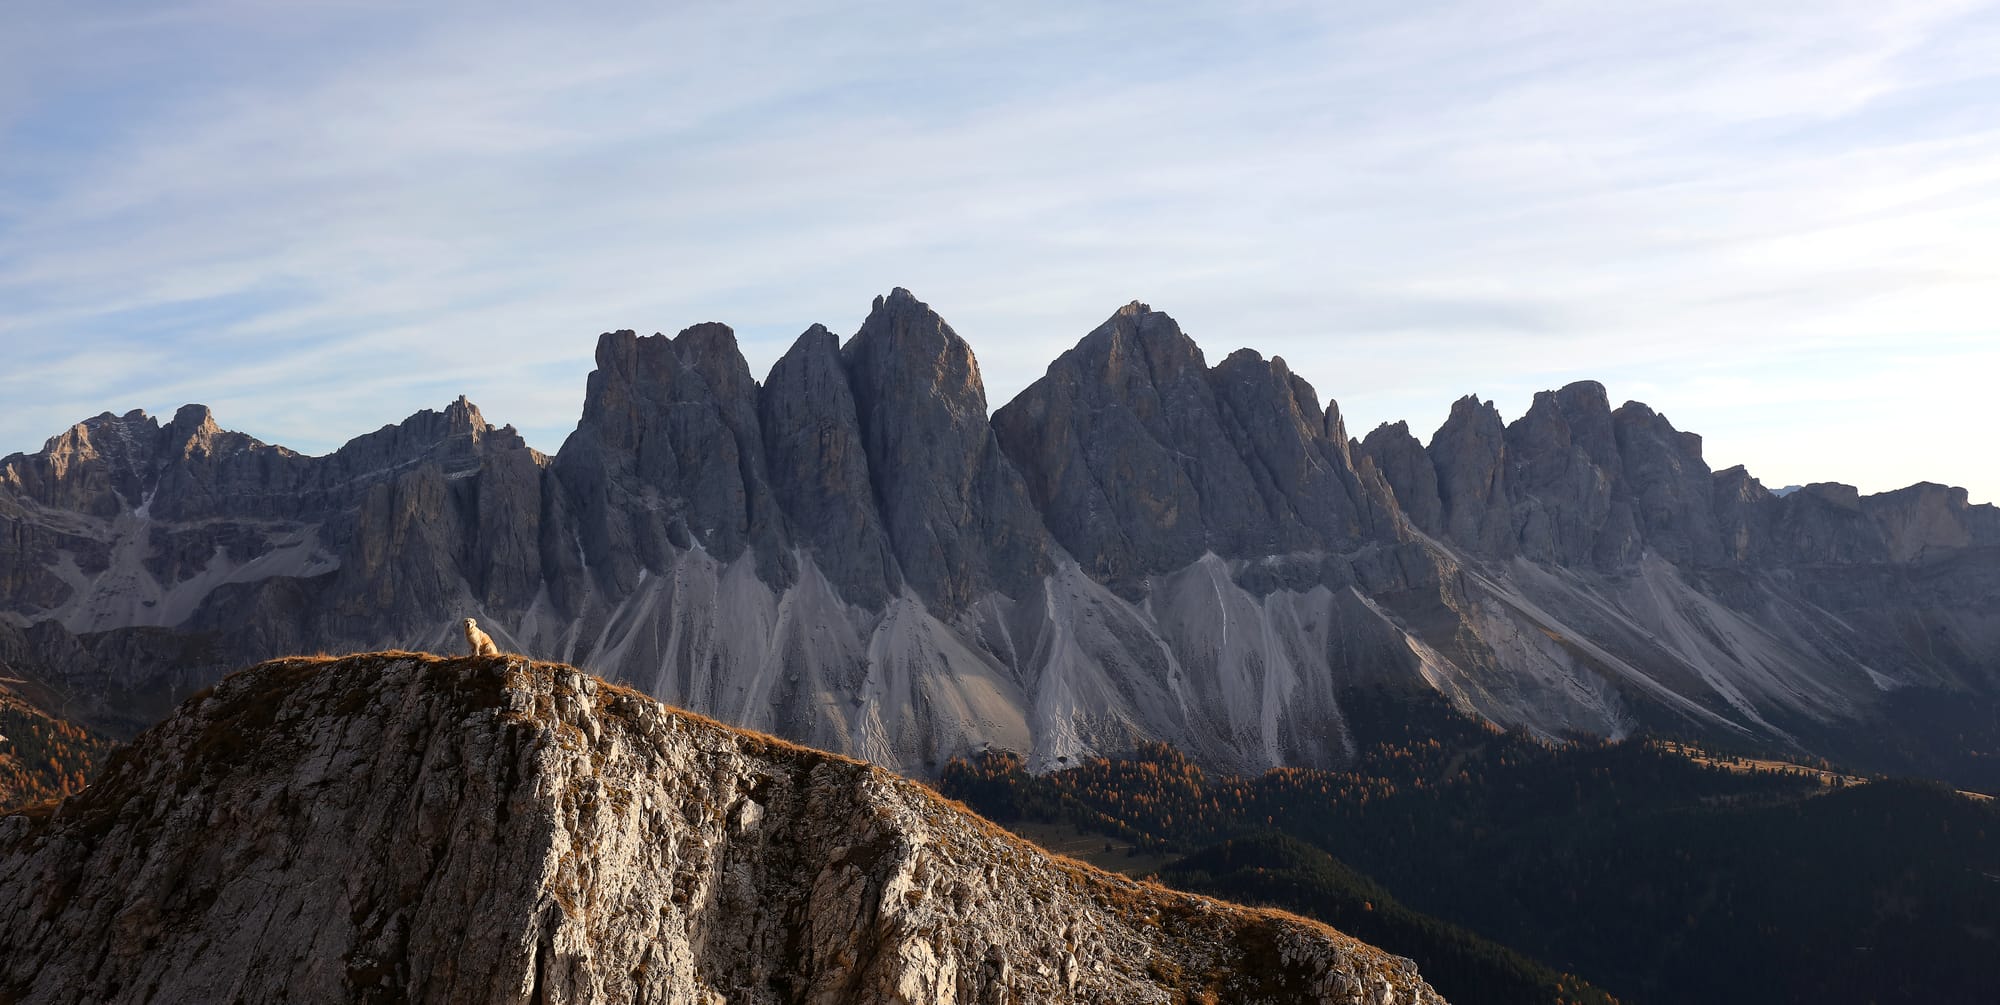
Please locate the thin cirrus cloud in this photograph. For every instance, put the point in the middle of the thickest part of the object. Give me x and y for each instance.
(1779, 225)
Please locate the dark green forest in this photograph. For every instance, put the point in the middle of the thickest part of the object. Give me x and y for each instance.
(1652, 876)
(1280, 871)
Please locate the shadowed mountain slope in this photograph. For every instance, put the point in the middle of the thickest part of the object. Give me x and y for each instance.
(1141, 546)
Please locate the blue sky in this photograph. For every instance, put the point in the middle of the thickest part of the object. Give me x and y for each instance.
(1777, 223)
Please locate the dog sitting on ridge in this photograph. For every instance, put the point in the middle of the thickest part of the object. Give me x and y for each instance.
(480, 643)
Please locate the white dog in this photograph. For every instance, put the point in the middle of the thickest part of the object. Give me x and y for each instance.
(480, 642)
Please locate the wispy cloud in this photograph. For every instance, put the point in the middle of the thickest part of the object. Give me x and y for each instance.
(320, 217)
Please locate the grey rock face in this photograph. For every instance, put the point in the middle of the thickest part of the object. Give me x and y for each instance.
(819, 468)
(1303, 476)
(1409, 472)
(669, 456)
(957, 514)
(1930, 519)
(1469, 453)
(402, 828)
(1111, 443)
(1743, 509)
(1141, 458)
(1571, 482)
(1669, 485)
(1563, 467)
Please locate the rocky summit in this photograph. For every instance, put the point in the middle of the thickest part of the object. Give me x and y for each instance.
(1143, 545)
(400, 827)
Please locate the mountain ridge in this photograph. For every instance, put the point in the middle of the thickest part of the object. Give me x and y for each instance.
(612, 848)
(1140, 546)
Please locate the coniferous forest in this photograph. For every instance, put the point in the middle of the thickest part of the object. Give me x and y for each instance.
(42, 757)
(1503, 863)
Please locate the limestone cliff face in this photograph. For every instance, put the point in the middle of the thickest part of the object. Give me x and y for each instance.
(398, 827)
(1469, 453)
(1403, 464)
(669, 456)
(1142, 458)
(1140, 546)
(957, 514)
(819, 466)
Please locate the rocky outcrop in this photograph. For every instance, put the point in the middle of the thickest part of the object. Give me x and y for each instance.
(323, 830)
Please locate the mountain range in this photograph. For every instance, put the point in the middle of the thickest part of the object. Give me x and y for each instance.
(857, 554)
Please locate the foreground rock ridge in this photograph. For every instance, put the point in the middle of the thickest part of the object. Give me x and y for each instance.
(1142, 545)
(400, 827)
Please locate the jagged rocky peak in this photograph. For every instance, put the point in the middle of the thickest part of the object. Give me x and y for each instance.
(819, 468)
(1334, 428)
(711, 349)
(1834, 522)
(90, 467)
(1577, 415)
(1669, 484)
(111, 464)
(669, 456)
(193, 429)
(1586, 409)
(611, 849)
(1563, 470)
(455, 437)
(1468, 452)
(905, 346)
(1140, 343)
(1302, 476)
(398, 473)
(1736, 483)
(957, 515)
(1838, 495)
(1743, 513)
(1570, 482)
(1132, 397)
(1407, 468)
(193, 438)
(1142, 458)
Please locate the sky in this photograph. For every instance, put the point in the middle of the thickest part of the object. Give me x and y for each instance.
(1776, 223)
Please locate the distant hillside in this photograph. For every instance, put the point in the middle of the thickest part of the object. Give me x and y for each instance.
(1275, 869)
(1654, 877)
